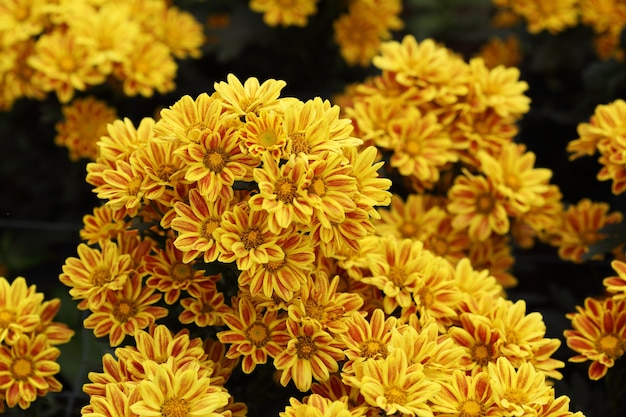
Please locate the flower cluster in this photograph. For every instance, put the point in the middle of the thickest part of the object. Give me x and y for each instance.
(70, 46)
(28, 343)
(358, 31)
(273, 202)
(599, 327)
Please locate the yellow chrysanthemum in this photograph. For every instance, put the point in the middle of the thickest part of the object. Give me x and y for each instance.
(84, 122)
(311, 353)
(465, 395)
(253, 335)
(285, 13)
(27, 370)
(499, 51)
(95, 272)
(480, 341)
(17, 76)
(581, 228)
(554, 16)
(394, 386)
(150, 67)
(599, 334)
(477, 206)
(206, 309)
(316, 405)
(513, 173)
(182, 33)
(125, 311)
(616, 285)
(21, 19)
(63, 65)
(250, 97)
(19, 305)
(167, 392)
(518, 391)
(264, 134)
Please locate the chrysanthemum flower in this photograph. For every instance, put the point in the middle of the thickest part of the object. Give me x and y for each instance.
(607, 122)
(396, 270)
(616, 285)
(253, 335)
(334, 389)
(425, 65)
(188, 117)
(436, 294)
(115, 402)
(125, 311)
(19, 307)
(18, 75)
(518, 391)
(158, 345)
(475, 283)
(372, 188)
(195, 223)
(416, 218)
(480, 339)
(223, 366)
(246, 239)
(85, 121)
(27, 370)
(513, 173)
(465, 395)
(205, 309)
(170, 391)
(394, 386)
(311, 353)
(421, 146)
(215, 162)
(293, 13)
(170, 274)
(282, 192)
(62, 65)
(581, 228)
(264, 134)
(20, 20)
(96, 272)
(477, 206)
(505, 52)
(92, 25)
(316, 405)
(319, 302)
(162, 169)
(494, 254)
(121, 187)
(150, 67)
(599, 334)
(251, 96)
(282, 278)
(498, 89)
(182, 33)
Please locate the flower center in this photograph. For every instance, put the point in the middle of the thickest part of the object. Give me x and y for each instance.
(318, 186)
(165, 172)
(67, 64)
(481, 354)
(413, 147)
(123, 310)
(22, 369)
(373, 349)
(274, 266)
(100, 277)
(485, 203)
(471, 408)
(258, 334)
(426, 297)
(314, 310)
(299, 143)
(515, 397)
(439, 246)
(133, 186)
(208, 227)
(6, 317)
(395, 395)
(285, 191)
(397, 275)
(268, 138)
(181, 272)
(251, 238)
(611, 345)
(175, 407)
(215, 160)
(305, 348)
(408, 230)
